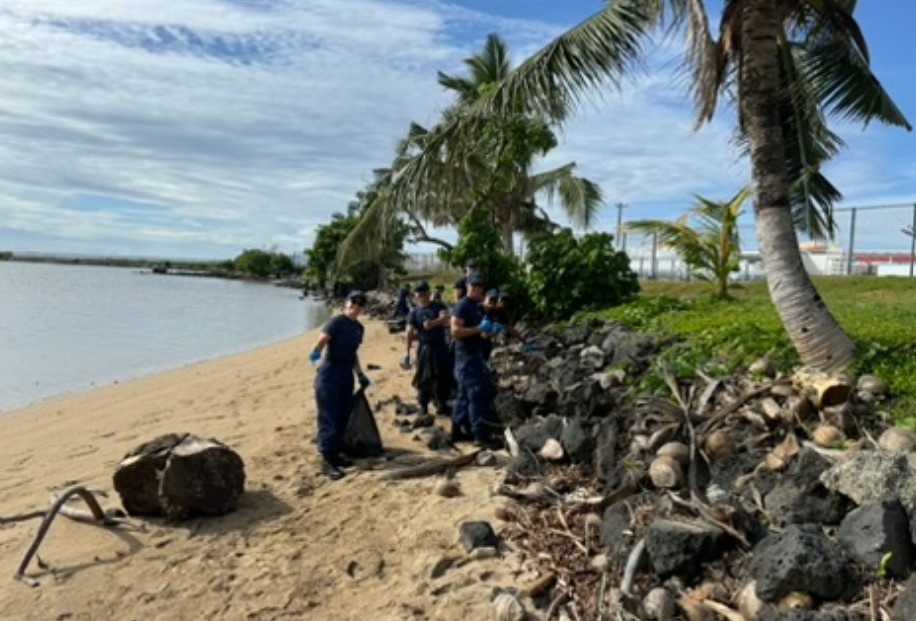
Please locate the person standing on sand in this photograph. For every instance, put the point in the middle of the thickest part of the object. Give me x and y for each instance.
(472, 415)
(342, 336)
(433, 376)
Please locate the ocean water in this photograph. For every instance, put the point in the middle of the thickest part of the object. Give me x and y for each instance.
(66, 328)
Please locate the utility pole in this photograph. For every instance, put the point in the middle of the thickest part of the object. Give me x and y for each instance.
(621, 244)
(911, 232)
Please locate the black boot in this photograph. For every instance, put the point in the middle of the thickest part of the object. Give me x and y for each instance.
(331, 469)
(459, 434)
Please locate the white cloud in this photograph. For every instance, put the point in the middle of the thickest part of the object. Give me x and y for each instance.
(208, 126)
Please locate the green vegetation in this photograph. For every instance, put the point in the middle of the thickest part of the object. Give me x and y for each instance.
(785, 66)
(718, 336)
(264, 264)
(706, 237)
(568, 274)
(6, 256)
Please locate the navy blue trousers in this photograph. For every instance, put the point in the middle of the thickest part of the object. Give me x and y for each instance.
(434, 376)
(334, 394)
(472, 408)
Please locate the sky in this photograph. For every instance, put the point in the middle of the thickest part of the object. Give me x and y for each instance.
(199, 128)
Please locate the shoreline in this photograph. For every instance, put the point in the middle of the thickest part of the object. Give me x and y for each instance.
(298, 547)
(143, 374)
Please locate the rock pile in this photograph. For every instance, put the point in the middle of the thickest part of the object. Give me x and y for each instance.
(755, 497)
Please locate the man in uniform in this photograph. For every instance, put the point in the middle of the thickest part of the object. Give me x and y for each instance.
(472, 415)
(461, 287)
(433, 376)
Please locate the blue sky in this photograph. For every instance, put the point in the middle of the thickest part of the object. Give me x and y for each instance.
(197, 128)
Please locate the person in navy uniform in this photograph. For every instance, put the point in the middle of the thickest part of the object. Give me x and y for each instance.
(340, 337)
(461, 286)
(426, 324)
(472, 415)
(402, 307)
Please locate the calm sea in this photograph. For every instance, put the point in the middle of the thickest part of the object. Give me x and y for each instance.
(69, 328)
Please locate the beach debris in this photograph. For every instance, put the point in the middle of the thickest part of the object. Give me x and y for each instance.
(94, 515)
(507, 607)
(447, 488)
(477, 534)
(180, 476)
(429, 468)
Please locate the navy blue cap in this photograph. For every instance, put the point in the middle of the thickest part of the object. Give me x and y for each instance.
(357, 297)
(421, 287)
(476, 280)
(493, 294)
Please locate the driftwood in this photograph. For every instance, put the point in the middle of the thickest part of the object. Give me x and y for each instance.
(430, 468)
(94, 515)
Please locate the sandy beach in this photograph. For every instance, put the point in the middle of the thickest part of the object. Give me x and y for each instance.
(298, 547)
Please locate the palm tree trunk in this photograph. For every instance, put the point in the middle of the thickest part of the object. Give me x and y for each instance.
(818, 338)
(507, 230)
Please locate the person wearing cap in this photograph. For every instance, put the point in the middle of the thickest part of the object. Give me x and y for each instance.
(437, 294)
(461, 287)
(433, 376)
(472, 415)
(340, 339)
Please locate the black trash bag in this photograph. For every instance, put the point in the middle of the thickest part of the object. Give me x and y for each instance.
(362, 439)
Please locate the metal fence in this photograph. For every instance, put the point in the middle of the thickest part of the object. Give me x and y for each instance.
(870, 239)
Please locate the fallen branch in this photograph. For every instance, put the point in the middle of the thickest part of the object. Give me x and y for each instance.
(429, 468)
(95, 514)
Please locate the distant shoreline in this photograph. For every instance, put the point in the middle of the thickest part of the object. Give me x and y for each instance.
(169, 267)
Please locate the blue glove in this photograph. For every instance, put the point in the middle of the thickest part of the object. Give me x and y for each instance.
(363, 380)
(315, 356)
(405, 363)
(499, 328)
(486, 326)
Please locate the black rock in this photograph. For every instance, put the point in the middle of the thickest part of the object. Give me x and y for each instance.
(680, 548)
(525, 465)
(905, 607)
(578, 441)
(180, 476)
(803, 559)
(874, 530)
(477, 535)
(606, 465)
(537, 431)
(791, 503)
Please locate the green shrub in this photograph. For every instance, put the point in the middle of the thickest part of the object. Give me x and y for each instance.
(567, 275)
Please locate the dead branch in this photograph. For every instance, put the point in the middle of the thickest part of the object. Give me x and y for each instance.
(429, 468)
(97, 516)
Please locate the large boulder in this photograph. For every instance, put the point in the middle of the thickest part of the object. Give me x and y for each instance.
(180, 476)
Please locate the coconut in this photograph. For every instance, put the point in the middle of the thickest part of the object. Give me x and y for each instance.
(719, 444)
(676, 450)
(507, 607)
(666, 473)
(828, 436)
(552, 450)
(897, 440)
(659, 604)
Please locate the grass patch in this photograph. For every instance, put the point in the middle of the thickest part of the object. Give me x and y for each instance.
(720, 337)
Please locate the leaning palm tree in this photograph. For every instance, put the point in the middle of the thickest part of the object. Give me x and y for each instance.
(489, 168)
(706, 238)
(787, 65)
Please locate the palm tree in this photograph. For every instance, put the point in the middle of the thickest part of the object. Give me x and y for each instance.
(712, 247)
(489, 168)
(787, 65)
